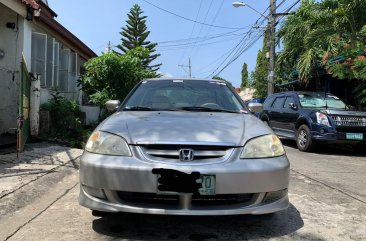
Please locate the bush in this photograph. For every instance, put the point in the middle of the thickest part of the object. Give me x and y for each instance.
(65, 117)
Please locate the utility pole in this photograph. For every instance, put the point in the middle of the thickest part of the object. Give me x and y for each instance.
(187, 66)
(109, 47)
(271, 44)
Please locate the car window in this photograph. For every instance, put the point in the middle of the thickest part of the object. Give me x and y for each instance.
(320, 100)
(288, 100)
(278, 103)
(268, 102)
(174, 94)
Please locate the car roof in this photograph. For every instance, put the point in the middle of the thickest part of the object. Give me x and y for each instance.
(178, 78)
(301, 92)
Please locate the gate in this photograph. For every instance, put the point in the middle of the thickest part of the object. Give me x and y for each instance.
(23, 112)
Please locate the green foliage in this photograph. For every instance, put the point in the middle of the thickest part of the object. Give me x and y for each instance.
(112, 76)
(353, 67)
(244, 77)
(134, 35)
(260, 74)
(227, 82)
(65, 116)
(320, 29)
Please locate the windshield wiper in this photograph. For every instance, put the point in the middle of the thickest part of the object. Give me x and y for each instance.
(143, 108)
(206, 109)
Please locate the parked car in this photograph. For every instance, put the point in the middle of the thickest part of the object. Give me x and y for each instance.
(183, 147)
(314, 117)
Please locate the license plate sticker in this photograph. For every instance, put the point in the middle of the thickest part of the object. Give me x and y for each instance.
(354, 136)
(208, 184)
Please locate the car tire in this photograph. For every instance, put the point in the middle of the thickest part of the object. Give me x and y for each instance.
(359, 148)
(97, 213)
(303, 139)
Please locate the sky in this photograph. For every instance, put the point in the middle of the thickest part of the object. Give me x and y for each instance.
(219, 46)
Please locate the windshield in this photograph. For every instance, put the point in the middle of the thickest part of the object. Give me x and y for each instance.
(317, 100)
(184, 95)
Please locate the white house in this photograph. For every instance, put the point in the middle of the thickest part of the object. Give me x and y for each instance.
(28, 28)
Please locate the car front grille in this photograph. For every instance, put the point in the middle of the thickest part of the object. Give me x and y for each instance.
(349, 121)
(201, 153)
(172, 201)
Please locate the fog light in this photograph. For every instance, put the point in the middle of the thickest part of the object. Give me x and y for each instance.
(274, 196)
(322, 131)
(95, 192)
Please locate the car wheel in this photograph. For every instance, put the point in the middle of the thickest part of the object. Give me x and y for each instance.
(97, 213)
(360, 148)
(303, 139)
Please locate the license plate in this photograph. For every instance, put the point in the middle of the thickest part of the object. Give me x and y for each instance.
(170, 188)
(208, 185)
(354, 136)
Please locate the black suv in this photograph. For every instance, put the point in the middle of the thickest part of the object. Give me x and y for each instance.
(310, 117)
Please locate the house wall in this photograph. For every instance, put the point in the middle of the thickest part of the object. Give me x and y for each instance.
(14, 43)
(92, 112)
(11, 41)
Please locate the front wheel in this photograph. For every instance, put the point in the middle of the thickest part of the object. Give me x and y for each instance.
(360, 148)
(303, 139)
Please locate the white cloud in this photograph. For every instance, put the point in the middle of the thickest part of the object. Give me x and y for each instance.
(165, 75)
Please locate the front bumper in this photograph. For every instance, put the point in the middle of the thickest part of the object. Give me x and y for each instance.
(112, 175)
(329, 134)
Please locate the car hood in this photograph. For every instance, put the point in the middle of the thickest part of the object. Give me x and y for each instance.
(141, 127)
(344, 112)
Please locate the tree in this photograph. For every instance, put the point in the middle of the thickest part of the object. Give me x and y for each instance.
(260, 73)
(319, 30)
(244, 77)
(112, 76)
(135, 33)
(227, 82)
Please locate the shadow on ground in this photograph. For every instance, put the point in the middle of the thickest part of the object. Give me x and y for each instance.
(330, 149)
(241, 227)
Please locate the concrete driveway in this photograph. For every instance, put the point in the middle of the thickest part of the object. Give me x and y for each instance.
(327, 194)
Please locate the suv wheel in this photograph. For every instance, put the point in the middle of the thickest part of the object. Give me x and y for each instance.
(303, 139)
(360, 148)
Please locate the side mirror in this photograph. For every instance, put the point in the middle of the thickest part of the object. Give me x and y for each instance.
(255, 107)
(293, 106)
(112, 105)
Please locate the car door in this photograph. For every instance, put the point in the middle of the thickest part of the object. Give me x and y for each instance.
(275, 113)
(290, 114)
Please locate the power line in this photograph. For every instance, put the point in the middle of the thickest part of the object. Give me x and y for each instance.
(199, 32)
(185, 18)
(194, 39)
(245, 48)
(203, 43)
(193, 28)
(236, 47)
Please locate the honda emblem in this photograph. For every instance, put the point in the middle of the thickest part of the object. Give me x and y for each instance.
(186, 155)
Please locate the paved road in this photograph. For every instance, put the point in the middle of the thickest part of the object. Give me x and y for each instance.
(327, 194)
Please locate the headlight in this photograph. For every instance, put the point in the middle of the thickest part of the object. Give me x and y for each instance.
(322, 119)
(262, 147)
(105, 143)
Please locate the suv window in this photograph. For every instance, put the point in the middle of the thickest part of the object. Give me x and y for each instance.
(289, 99)
(278, 103)
(268, 102)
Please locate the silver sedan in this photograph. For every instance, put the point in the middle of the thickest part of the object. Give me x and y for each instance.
(183, 147)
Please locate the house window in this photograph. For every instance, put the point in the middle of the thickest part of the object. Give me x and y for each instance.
(72, 72)
(56, 50)
(39, 51)
(50, 60)
(58, 67)
(63, 70)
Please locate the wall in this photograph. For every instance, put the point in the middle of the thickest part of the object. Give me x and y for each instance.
(11, 41)
(91, 113)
